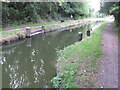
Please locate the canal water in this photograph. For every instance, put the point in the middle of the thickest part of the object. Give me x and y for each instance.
(31, 63)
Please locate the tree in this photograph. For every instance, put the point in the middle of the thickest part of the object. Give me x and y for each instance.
(24, 12)
(111, 8)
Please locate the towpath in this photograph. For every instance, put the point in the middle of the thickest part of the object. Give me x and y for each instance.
(108, 74)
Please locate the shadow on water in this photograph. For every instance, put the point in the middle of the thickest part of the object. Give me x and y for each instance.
(31, 64)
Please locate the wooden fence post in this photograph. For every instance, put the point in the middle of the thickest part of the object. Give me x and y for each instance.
(88, 32)
(79, 36)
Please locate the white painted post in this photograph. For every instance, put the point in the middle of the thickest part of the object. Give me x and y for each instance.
(28, 31)
(70, 30)
(71, 17)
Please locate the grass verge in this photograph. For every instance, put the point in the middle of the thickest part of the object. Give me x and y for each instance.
(116, 28)
(35, 24)
(77, 63)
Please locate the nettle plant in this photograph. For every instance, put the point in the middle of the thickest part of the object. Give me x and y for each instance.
(65, 80)
(56, 81)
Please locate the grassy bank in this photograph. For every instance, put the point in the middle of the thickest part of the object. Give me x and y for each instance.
(77, 63)
(35, 24)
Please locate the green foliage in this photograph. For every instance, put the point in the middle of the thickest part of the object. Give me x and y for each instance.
(24, 12)
(106, 7)
(117, 29)
(56, 81)
(111, 8)
(114, 9)
(65, 80)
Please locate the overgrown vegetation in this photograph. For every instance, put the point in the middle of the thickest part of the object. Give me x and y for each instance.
(77, 64)
(111, 8)
(16, 13)
(116, 29)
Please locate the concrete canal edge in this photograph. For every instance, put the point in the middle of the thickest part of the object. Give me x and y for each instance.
(18, 37)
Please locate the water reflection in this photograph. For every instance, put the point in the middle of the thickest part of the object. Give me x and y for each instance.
(2, 59)
(32, 63)
(28, 41)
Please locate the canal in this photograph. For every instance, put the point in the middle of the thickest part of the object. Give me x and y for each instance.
(31, 63)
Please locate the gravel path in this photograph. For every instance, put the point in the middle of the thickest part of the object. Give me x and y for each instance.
(108, 75)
